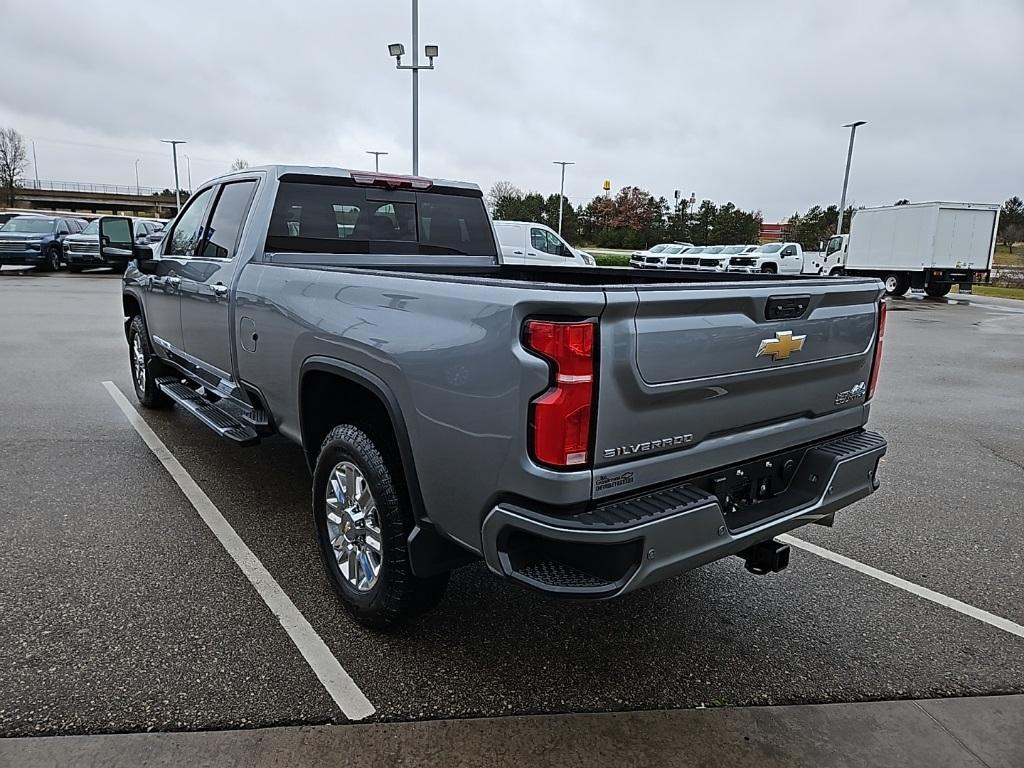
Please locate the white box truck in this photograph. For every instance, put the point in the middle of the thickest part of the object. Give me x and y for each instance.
(929, 246)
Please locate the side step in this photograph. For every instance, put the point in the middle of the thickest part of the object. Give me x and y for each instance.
(218, 419)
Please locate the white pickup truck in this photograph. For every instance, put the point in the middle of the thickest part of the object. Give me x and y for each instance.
(773, 258)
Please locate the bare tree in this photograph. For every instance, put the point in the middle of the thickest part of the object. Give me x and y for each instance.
(13, 161)
(501, 191)
(239, 164)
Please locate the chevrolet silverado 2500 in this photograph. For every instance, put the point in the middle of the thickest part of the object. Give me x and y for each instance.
(584, 432)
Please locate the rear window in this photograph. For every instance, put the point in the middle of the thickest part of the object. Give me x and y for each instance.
(333, 218)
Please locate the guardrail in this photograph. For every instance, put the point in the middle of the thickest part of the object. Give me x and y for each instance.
(81, 186)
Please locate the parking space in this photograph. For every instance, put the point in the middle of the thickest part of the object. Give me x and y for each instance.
(124, 613)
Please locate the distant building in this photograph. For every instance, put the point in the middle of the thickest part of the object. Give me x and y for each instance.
(773, 233)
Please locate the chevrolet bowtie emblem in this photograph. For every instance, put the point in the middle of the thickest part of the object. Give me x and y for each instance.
(782, 346)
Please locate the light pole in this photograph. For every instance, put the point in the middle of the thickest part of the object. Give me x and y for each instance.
(35, 163)
(376, 158)
(398, 51)
(138, 193)
(561, 192)
(174, 151)
(188, 166)
(846, 177)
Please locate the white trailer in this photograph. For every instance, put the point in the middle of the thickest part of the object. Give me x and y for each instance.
(929, 246)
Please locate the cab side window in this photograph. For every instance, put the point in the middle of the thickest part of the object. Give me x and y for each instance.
(228, 217)
(537, 240)
(555, 246)
(789, 250)
(187, 230)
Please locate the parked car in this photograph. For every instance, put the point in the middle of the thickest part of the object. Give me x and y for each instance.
(662, 258)
(82, 251)
(159, 230)
(661, 251)
(452, 407)
(36, 240)
(772, 258)
(526, 242)
(712, 259)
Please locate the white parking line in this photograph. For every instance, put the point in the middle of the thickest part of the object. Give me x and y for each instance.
(908, 586)
(346, 694)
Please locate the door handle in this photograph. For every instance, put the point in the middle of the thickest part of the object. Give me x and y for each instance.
(220, 289)
(517, 253)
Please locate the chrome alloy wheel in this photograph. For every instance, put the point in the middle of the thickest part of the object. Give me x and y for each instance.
(138, 363)
(891, 282)
(353, 527)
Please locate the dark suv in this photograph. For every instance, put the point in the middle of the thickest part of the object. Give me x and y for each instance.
(36, 240)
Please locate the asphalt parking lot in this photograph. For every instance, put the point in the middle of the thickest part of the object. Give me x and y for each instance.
(122, 612)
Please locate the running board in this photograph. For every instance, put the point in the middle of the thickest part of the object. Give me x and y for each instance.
(218, 419)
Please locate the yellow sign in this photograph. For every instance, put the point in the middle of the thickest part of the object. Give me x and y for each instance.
(782, 346)
(607, 185)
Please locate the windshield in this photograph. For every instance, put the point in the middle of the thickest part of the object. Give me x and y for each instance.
(658, 248)
(732, 249)
(29, 224)
(672, 249)
(715, 249)
(698, 249)
(770, 248)
(93, 228)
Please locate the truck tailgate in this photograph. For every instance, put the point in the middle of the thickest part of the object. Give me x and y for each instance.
(696, 377)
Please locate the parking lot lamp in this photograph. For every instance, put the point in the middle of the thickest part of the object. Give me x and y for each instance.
(376, 158)
(398, 50)
(561, 192)
(174, 152)
(846, 176)
(138, 193)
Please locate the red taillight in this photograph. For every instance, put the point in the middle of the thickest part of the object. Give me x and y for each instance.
(391, 181)
(877, 362)
(560, 418)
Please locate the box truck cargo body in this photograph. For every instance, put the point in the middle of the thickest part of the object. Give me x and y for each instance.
(929, 246)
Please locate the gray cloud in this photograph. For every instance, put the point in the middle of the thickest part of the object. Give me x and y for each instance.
(736, 101)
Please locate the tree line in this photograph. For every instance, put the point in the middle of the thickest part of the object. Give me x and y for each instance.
(631, 218)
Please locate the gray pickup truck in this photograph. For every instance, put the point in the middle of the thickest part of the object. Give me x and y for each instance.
(585, 432)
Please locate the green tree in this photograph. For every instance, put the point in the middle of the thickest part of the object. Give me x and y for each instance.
(1011, 222)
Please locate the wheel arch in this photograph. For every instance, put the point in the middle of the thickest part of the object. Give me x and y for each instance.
(365, 401)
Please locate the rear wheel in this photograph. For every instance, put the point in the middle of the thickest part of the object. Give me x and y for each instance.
(937, 290)
(896, 284)
(145, 366)
(363, 524)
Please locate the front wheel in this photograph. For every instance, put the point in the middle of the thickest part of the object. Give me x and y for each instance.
(769, 269)
(144, 365)
(937, 290)
(52, 263)
(363, 524)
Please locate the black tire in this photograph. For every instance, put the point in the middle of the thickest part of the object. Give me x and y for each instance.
(75, 268)
(398, 595)
(146, 391)
(52, 263)
(896, 284)
(836, 272)
(937, 290)
(770, 269)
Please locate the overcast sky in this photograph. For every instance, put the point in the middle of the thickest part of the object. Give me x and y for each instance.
(740, 101)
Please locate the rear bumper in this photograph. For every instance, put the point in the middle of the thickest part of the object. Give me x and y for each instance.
(624, 545)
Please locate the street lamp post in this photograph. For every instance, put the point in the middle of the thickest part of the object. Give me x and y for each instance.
(376, 158)
(138, 192)
(174, 151)
(398, 51)
(561, 192)
(846, 177)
